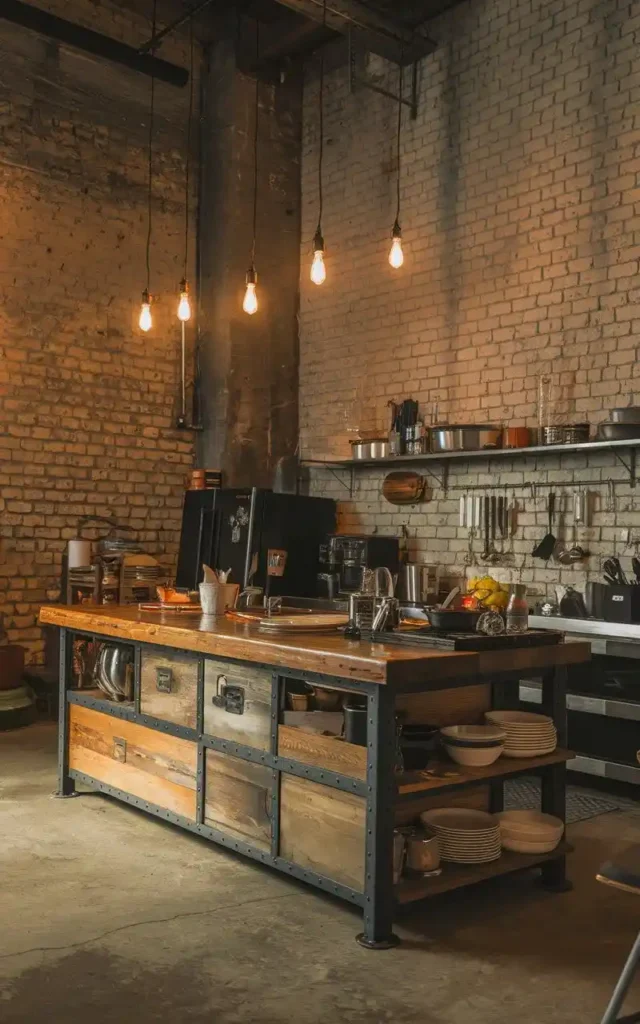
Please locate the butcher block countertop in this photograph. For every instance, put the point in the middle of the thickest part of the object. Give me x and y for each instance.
(326, 654)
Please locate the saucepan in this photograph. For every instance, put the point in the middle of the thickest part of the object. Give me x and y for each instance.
(457, 438)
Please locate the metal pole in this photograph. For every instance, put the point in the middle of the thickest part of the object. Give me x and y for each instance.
(378, 868)
(66, 786)
(182, 419)
(622, 987)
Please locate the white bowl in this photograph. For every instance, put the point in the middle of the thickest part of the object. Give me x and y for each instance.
(471, 734)
(529, 845)
(474, 757)
(535, 824)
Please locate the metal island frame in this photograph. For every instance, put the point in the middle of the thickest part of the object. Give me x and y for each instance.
(204, 744)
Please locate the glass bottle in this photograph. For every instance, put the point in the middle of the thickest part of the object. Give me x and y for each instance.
(518, 610)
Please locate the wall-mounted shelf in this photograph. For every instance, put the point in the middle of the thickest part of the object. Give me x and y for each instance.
(444, 458)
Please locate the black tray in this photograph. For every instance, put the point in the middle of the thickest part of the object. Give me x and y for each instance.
(469, 641)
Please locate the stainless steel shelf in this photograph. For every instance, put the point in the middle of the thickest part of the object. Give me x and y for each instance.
(489, 453)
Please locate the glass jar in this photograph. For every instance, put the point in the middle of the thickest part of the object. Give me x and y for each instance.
(518, 610)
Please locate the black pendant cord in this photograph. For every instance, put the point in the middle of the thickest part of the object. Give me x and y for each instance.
(400, 87)
(255, 150)
(150, 166)
(188, 159)
(318, 241)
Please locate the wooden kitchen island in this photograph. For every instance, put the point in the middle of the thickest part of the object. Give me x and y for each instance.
(203, 743)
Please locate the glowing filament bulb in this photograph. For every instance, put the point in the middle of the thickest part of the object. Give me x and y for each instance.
(145, 321)
(184, 306)
(396, 255)
(250, 301)
(318, 270)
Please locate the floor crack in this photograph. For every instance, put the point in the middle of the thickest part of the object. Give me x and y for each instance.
(155, 920)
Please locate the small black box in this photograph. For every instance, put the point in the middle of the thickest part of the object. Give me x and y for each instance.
(621, 604)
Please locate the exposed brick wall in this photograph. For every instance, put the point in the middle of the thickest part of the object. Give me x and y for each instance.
(87, 402)
(522, 246)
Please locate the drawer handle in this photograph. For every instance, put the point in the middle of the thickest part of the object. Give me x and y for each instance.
(164, 679)
(119, 749)
(231, 698)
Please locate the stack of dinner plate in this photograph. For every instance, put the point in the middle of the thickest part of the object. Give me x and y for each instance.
(528, 734)
(464, 836)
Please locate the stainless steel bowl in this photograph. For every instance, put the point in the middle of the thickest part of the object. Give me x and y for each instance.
(365, 450)
(630, 414)
(469, 438)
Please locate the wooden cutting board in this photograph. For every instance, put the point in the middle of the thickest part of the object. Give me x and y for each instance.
(403, 487)
(294, 623)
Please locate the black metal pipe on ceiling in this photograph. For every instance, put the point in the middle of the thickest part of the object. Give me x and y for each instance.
(95, 43)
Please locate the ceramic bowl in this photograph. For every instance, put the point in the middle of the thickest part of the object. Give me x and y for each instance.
(474, 757)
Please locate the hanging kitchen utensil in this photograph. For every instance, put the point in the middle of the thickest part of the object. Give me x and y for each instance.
(613, 572)
(403, 488)
(544, 549)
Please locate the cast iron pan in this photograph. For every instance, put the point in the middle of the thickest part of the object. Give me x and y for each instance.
(453, 621)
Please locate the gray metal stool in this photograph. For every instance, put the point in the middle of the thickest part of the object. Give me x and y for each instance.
(623, 874)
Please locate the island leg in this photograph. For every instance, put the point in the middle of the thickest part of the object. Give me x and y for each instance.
(66, 785)
(381, 758)
(554, 703)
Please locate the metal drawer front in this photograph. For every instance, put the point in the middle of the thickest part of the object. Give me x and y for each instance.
(605, 769)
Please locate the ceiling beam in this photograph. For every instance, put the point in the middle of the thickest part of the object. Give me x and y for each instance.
(378, 33)
(95, 43)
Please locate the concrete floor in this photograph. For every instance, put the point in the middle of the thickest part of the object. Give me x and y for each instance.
(107, 915)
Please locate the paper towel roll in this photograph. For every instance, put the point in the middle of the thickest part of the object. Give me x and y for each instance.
(79, 553)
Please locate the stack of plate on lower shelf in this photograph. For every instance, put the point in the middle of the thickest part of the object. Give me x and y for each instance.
(530, 831)
(464, 836)
(528, 734)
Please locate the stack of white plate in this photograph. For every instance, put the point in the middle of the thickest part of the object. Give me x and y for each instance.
(528, 734)
(530, 831)
(464, 836)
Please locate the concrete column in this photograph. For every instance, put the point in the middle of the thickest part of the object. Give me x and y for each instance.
(248, 364)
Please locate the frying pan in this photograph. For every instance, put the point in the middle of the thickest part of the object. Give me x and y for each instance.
(461, 621)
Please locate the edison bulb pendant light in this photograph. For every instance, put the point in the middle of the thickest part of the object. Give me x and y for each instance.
(184, 305)
(318, 270)
(250, 301)
(396, 255)
(145, 321)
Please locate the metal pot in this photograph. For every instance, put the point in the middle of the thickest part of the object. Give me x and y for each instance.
(463, 438)
(422, 852)
(618, 431)
(630, 414)
(378, 448)
(418, 583)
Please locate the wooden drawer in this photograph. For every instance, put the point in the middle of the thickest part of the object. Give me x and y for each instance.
(169, 687)
(323, 829)
(140, 761)
(237, 703)
(238, 798)
(330, 752)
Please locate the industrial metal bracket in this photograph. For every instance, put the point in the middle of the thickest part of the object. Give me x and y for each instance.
(356, 79)
(630, 466)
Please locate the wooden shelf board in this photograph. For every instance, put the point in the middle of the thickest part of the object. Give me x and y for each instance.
(455, 876)
(449, 774)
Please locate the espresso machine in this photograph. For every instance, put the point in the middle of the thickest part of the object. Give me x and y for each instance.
(346, 557)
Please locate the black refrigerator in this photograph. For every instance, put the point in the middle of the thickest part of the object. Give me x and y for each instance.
(261, 536)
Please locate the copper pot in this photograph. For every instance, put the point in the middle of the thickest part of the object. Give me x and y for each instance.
(516, 437)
